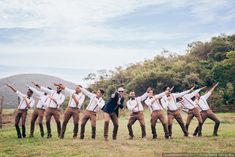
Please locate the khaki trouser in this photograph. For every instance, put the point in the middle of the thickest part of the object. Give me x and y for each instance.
(37, 113)
(70, 112)
(114, 119)
(133, 117)
(194, 113)
(56, 114)
(86, 116)
(175, 114)
(158, 114)
(211, 115)
(20, 114)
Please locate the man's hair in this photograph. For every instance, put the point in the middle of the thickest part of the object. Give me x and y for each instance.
(30, 91)
(101, 91)
(165, 88)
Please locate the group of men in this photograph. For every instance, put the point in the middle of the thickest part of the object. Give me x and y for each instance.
(50, 101)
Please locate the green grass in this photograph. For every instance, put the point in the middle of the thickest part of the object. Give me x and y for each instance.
(225, 143)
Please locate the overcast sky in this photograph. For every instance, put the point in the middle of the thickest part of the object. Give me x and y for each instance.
(71, 38)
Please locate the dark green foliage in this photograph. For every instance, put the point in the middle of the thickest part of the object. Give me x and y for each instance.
(203, 65)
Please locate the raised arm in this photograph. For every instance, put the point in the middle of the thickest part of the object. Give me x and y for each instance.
(87, 93)
(206, 96)
(213, 88)
(159, 96)
(11, 87)
(192, 94)
(145, 95)
(177, 95)
(37, 92)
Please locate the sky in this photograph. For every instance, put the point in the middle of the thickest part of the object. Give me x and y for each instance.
(72, 38)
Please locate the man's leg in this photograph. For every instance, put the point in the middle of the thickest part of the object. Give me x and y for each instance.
(189, 119)
(48, 122)
(32, 124)
(213, 117)
(179, 119)
(114, 119)
(40, 121)
(199, 119)
(75, 122)
(83, 124)
(170, 117)
(106, 125)
(17, 120)
(204, 117)
(131, 121)
(164, 123)
(56, 114)
(24, 115)
(153, 124)
(93, 125)
(142, 124)
(67, 116)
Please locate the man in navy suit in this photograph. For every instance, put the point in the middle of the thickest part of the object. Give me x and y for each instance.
(111, 110)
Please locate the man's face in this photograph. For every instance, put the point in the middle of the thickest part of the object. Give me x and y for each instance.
(121, 92)
(29, 93)
(168, 93)
(59, 89)
(150, 93)
(78, 90)
(132, 94)
(99, 94)
(197, 96)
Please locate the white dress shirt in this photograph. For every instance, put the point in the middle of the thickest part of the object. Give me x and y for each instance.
(95, 103)
(80, 97)
(153, 102)
(170, 101)
(187, 101)
(202, 102)
(135, 104)
(22, 105)
(59, 98)
(42, 98)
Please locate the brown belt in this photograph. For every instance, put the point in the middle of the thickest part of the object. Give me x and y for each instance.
(137, 112)
(74, 108)
(40, 109)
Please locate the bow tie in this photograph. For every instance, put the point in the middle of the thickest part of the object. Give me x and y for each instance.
(150, 97)
(132, 98)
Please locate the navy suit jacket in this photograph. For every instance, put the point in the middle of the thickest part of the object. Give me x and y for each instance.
(112, 105)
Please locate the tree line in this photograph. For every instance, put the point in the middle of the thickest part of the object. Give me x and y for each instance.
(204, 64)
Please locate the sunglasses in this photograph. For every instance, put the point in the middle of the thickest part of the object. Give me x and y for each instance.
(120, 91)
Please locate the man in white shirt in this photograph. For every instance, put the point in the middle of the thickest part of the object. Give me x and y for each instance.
(135, 106)
(54, 101)
(38, 111)
(156, 109)
(172, 109)
(96, 103)
(26, 102)
(75, 103)
(187, 103)
(206, 112)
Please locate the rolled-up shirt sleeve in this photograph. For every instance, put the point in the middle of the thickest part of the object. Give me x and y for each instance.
(87, 93)
(37, 92)
(177, 95)
(46, 90)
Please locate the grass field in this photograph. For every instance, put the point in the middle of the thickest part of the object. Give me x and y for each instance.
(225, 143)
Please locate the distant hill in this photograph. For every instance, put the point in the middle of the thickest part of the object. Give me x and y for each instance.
(10, 99)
